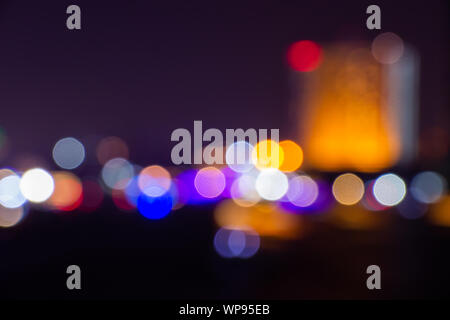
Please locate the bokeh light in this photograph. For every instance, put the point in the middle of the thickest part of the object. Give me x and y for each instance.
(68, 193)
(187, 192)
(68, 153)
(389, 189)
(6, 172)
(267, 154)
(440, 212)
(10, 217)
(239, 156)
(348, 189)
(117, 173)
(292, 156)
(387, 48)
(154, 181)
(10, 194)
(110, 148)
(271, 184)
(252, 244)
(243, 191)
(236, 242)
(231, 243)
(302, 191)
(322, 203)
(304, 56)
(221, 243)
(155, 207)
(209, 182)
(37, 185)
(428, 187)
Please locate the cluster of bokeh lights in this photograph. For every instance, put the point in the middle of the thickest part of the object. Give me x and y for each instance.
(252, 178)
(263, 182)
(260, 190)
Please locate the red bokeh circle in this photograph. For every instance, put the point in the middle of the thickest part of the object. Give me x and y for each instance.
(304, 56)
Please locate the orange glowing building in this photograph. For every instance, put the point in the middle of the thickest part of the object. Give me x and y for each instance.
(357, 113)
